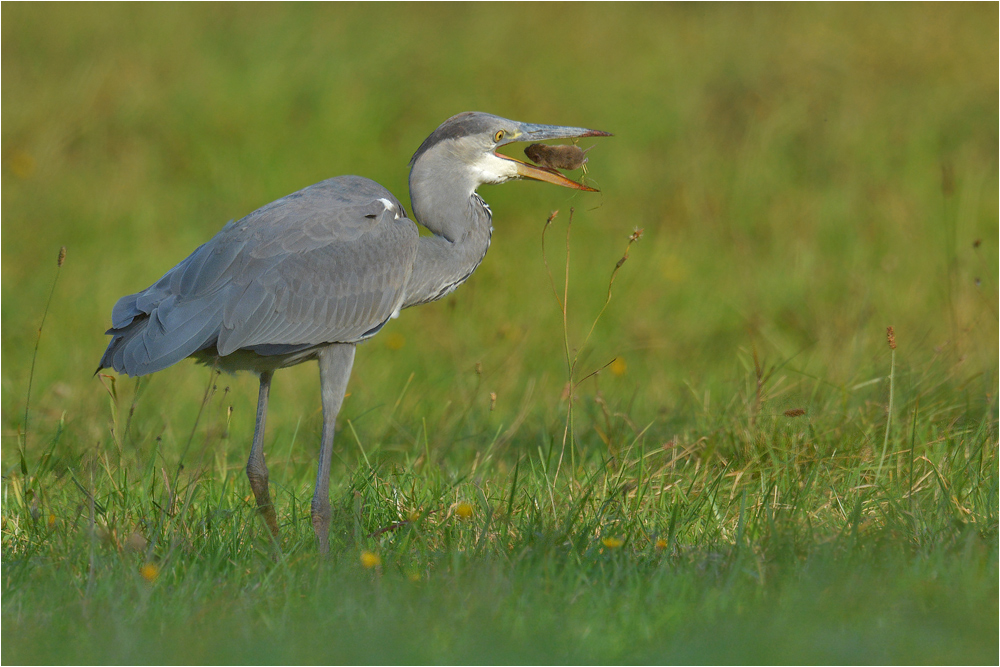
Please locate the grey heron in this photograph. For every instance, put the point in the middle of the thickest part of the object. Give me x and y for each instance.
(315, 273)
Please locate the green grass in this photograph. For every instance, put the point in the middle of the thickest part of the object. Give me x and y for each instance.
(743, 485)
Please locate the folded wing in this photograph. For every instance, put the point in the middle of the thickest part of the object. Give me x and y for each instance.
(327, 264)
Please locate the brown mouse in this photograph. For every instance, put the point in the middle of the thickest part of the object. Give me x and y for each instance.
(566, 157)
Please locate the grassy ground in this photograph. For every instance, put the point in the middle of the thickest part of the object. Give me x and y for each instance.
(757, 477)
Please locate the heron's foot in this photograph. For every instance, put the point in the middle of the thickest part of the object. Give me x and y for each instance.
(271, 519)
(321, 526)
(258, 483)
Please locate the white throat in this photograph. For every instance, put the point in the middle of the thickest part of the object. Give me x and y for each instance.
(492, 169)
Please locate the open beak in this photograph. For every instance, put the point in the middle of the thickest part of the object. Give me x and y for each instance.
(534, 172)
(536, 133)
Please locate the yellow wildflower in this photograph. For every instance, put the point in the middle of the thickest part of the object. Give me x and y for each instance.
(618, 367)
(463, 510)
(661, 544)
(612, 542)
(370, 559)
(150, 572)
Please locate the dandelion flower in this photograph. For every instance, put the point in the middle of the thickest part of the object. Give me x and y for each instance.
(52, 520)
(661, 544)
(612, 542)
(463, 510)
(150, 572)
(370, 559)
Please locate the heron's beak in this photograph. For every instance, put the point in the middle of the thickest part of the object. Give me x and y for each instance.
(535, 133)
(525, 170)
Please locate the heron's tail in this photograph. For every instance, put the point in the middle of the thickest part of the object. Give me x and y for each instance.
(170, 332)
(114, 356)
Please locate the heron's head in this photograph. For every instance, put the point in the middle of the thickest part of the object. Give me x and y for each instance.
(464, 150)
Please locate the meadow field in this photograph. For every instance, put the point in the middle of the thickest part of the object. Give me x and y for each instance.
(729, 463)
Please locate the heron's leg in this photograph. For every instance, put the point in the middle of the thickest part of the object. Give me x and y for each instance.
(256, 468)
(335, 364)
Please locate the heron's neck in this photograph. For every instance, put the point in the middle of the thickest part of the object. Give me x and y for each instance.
(461, 225)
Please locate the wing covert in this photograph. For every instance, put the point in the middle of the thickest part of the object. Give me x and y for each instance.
(314, 282)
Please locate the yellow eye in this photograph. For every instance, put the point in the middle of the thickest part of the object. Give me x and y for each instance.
(498, 136)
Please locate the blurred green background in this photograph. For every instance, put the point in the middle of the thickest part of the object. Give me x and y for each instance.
(805, 176)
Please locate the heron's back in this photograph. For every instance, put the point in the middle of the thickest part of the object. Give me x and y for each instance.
(327, 264)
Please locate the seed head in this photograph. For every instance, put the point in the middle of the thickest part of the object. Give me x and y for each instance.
(890, 335)
(567, 391)
(62, 256)
(136, 541)
(633, 237)
(795, 412)
(493, 400)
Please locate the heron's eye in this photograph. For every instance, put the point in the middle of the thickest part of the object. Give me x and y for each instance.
(498, 136)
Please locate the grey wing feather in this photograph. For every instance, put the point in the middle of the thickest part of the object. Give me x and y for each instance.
(325, 264)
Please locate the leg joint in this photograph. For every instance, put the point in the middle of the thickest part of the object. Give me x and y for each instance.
(257, 474)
